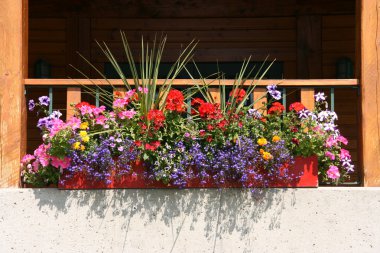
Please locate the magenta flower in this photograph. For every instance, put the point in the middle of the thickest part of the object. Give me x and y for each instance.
(98, 110)
(27, 158)
(85, 109)
(74, 123)
(342, 139)
(41, 154)
(344, 154)
(60, 163)
(120, 103)
(127, 114)
(331, 141)
(143, 90)
(333, 172)
(330, 155)
(100, 120)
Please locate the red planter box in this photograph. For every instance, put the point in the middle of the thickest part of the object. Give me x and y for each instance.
(306, 167)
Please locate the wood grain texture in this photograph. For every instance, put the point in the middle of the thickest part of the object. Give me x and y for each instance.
(370, 90)
(229, 82)
(309, 58)
(13, 69)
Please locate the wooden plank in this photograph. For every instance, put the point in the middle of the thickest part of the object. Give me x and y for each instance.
(307, 98)
(370, 91)
(210, 36)
(309, 60)
(13, 69)
(185, 82)
(190, 24)
(260, 99)
(73, 98)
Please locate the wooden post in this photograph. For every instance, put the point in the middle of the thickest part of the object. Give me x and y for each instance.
(215, 93)
(260, 99)
(307, 98)
(13, 71)
(73, 97)
(370, 91)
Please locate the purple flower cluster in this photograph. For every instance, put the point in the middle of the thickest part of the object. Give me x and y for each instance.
(99, 161)
(234, 162)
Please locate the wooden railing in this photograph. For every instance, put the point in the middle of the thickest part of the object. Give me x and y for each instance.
(306, 87)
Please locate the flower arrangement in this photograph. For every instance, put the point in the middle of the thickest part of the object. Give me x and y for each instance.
(176, 142)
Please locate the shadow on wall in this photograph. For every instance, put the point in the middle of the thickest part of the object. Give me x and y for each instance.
(217, 212)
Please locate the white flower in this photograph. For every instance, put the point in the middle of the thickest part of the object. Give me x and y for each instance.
(320, 96)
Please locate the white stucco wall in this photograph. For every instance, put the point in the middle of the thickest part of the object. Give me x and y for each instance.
(209, 220)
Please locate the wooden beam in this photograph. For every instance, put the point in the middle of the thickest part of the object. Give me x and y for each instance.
(370, 91)
(13, 70)
(184, 82)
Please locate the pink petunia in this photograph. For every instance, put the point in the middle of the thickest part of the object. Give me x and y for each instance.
(73, 123)
(57, 125)
(344, 154)
(331, 141)
(333, 172)
(85, 109)
(342, 139)
(41, 154)
(98, 110)
(60, 163)
(120, 103)
(27, 159)
(127, 114)
(100, 120)
(330, 155)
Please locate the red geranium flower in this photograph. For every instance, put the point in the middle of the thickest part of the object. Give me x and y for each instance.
(175, 101)
(276, 108)
(79, 105)
(196, 102)
(152, 146)
(210, 111)
(296, 106)
(157, 117)
(238, 94)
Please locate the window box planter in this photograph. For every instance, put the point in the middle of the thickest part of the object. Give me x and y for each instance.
(305, 171)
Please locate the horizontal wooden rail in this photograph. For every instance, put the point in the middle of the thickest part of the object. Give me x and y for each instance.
(184, 82)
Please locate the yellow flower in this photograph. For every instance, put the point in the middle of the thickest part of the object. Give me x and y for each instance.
(276, 138)
(76, 145)
(267, 156)
(85, 138)
(262, 141)
(83, 125)
(82, 147)
(261, 151)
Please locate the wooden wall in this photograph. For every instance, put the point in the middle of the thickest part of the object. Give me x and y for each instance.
(307, 36)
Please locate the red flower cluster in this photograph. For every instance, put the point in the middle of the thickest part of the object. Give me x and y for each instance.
(209, 110)
(157, 117)
(175, 101)
(296, 106)
(238, 94)
(79, 105)
(276, 108)
(152, 146)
